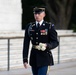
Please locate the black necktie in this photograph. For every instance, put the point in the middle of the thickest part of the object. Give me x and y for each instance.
(38, 25)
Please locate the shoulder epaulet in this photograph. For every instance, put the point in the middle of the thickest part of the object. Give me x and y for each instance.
(32, 24)
(50, 24)
(46, 22)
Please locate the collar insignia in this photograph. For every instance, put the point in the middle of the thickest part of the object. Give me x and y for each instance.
(43, 24)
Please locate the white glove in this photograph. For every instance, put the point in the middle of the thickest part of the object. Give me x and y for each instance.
(42, 46)
(38, 47)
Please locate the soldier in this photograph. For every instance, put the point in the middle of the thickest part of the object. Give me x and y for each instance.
(43, 37)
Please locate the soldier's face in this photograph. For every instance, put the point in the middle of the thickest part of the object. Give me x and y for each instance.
(39, 16)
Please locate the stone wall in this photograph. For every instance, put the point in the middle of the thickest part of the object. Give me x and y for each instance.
(67, 48)
(10, 14)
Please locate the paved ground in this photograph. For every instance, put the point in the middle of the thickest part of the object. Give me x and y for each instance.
(59, 69)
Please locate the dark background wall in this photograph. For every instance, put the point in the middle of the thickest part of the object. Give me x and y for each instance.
(27, 14)
(72, 24)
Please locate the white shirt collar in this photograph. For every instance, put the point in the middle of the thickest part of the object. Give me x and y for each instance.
(39, 22)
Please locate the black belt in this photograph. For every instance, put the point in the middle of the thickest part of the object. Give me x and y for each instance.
(35, 46)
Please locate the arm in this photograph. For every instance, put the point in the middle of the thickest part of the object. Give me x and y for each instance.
(26, 46)
(53, 38)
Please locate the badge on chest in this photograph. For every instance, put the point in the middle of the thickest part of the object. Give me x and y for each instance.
(43, 32)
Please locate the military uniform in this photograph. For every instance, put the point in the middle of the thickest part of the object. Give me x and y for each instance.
(44, 34)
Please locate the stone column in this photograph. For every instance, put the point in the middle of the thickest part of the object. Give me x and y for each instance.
(10, 15)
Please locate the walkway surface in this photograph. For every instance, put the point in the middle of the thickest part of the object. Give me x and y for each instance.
(59, 69)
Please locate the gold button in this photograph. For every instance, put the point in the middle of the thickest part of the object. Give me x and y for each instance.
(31, 38)
(37, 33)
(36, 42)
(36, 37)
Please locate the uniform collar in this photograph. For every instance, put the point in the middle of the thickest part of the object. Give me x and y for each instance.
(39, 22)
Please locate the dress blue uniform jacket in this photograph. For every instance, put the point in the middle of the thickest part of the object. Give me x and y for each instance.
(45, 34)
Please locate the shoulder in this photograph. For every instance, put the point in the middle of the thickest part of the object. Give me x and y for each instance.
(50, 24)
(30, 24)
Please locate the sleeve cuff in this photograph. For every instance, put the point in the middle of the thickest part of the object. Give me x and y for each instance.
(25, 60)
(48, 47)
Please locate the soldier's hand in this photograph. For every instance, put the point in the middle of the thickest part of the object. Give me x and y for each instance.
(38, 47)
(26, 65)
(42, 46)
